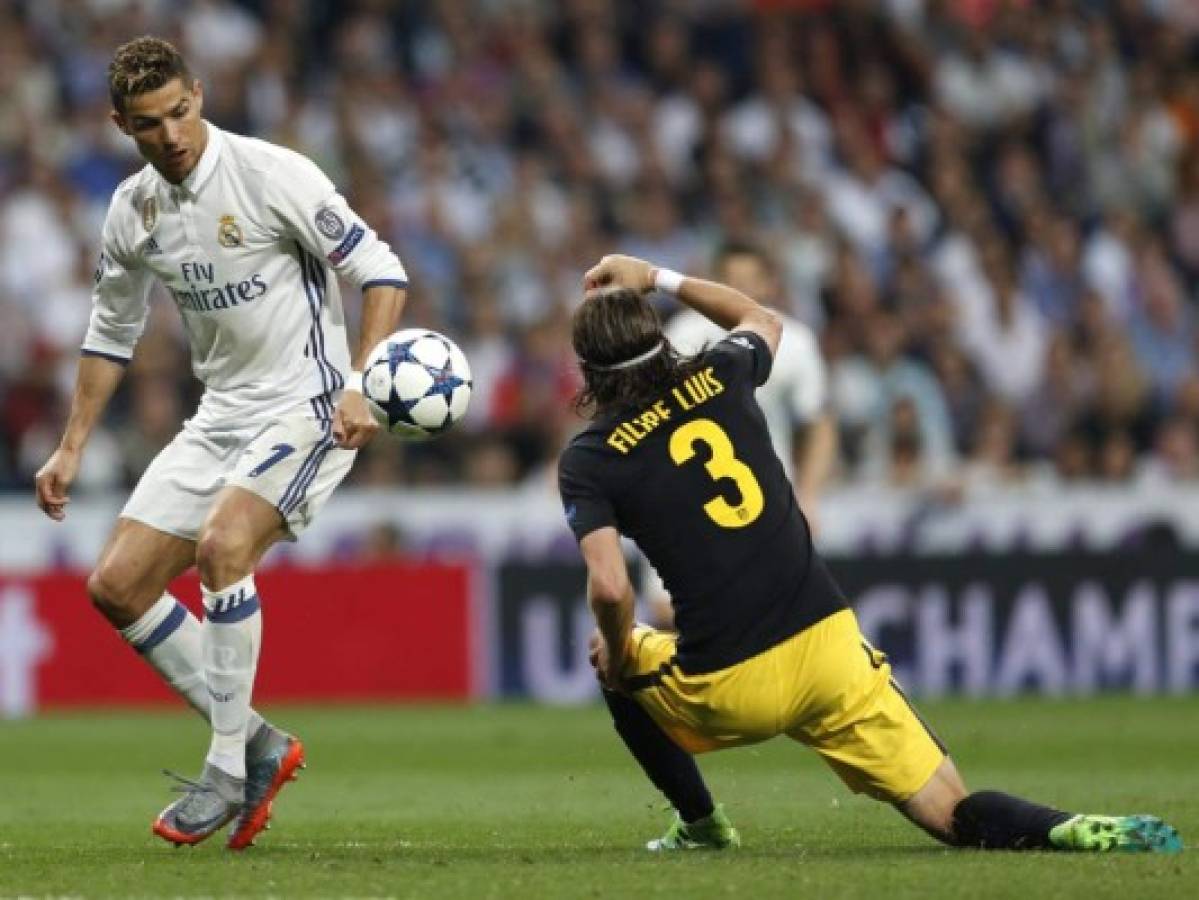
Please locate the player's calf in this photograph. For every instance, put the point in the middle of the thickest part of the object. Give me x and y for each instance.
(991, 820)
(671, 769)
(932, 807)
(231, 638)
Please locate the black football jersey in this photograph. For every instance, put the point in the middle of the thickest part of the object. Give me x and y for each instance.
(694, 481)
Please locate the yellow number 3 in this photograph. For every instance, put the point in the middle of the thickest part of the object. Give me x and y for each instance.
(723, 464)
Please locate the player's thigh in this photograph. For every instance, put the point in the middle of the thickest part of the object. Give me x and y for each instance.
(240, 527)
(651, 655)
(135, 567)
(177, 489)
(855, 716)
(700, 712)
(294, 466)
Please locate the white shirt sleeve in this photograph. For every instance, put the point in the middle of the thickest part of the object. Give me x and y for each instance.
(120, 298)
(803, 369)
(689, 332)
(306, 205)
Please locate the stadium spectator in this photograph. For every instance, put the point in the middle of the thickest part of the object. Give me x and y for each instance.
(882, 152)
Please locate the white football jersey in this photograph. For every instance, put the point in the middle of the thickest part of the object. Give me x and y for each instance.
(796, 391)
(244, 246)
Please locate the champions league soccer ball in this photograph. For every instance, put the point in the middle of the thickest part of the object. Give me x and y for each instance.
(417, 383)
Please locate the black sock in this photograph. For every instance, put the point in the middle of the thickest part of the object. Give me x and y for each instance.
(996, 821)
(671, 768)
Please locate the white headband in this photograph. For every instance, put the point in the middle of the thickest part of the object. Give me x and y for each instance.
(629, 363)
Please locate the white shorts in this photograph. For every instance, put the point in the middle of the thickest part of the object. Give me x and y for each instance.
(290, 462)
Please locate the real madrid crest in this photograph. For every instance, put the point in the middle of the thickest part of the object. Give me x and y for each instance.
(228, 233)
(149, 213)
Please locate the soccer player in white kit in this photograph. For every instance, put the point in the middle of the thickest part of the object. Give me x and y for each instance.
(243, 235)
(794, 398)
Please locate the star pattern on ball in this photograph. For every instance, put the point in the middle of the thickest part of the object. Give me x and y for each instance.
(401, 352)
(403, 392)
(444, 379)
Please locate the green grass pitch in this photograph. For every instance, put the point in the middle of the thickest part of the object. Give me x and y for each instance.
(520, 801)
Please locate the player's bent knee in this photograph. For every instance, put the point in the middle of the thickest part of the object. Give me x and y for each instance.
(223, 554)
(116, 595)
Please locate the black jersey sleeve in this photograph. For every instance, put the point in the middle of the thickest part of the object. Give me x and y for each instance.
(584, 501)
(747, 352)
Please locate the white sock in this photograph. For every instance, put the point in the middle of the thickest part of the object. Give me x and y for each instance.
(168, 637)
(232, 634)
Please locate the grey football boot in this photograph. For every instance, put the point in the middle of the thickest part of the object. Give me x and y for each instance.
(273, 758)
(206, 806)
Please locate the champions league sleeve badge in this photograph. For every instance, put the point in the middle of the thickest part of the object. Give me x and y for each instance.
(228, 233)
(329, 224)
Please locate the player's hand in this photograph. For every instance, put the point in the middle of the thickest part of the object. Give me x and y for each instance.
(621, 272)
(53, 480)
(607, 670)
(353, 424)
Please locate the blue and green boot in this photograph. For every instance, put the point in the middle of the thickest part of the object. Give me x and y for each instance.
(1115, 834)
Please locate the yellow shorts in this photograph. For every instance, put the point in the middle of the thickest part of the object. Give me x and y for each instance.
(825, 687)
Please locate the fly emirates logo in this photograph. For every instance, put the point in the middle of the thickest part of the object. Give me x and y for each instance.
(202, 294)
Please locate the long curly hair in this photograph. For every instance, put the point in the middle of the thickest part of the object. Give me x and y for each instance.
(613, 326)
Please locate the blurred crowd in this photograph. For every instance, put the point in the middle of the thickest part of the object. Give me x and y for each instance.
(988, 211)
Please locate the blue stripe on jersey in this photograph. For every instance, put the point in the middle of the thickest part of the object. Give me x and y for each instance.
(321, 282)
(320, 409)
(319, 279)
(315, 338)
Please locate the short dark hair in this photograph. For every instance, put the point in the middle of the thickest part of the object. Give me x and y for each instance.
(144, 64)
(729, 249)
(614, 326)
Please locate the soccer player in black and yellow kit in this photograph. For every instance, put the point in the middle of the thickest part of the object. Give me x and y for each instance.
(677, 457)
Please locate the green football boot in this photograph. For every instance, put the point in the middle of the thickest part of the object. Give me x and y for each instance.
(1115, 834)
(714, 832)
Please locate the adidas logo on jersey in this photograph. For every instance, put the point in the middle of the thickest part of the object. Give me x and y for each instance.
(152, 248)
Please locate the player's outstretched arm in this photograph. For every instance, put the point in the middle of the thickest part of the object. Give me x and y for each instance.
(95, 381)
(726, 306)
(353, 424)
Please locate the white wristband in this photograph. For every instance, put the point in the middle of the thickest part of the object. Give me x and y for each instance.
(668, 281)
(354, 382)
